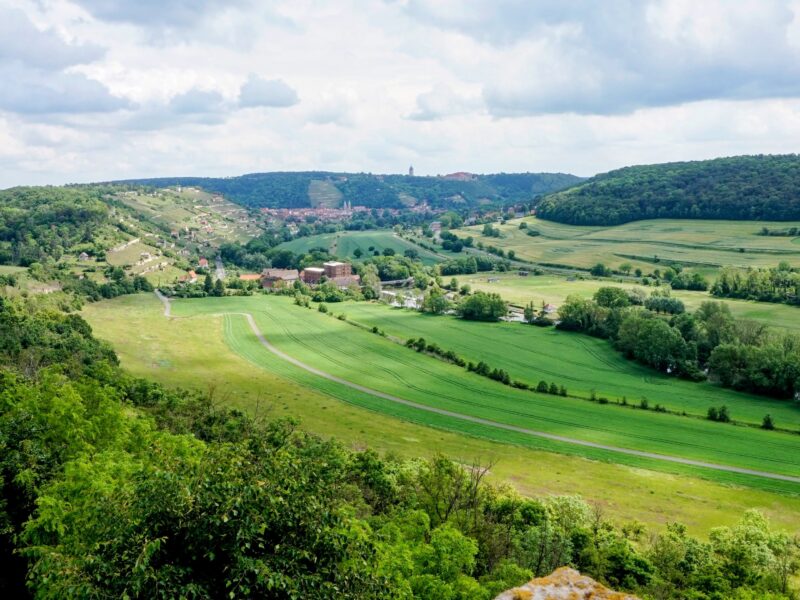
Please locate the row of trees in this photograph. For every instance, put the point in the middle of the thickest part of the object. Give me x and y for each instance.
(468, 265)
(112, 486)
(781, 284)
(740, 354)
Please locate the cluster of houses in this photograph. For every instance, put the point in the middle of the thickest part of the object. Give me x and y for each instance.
(338, 273)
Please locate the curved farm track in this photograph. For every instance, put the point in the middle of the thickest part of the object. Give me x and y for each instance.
(504, 426)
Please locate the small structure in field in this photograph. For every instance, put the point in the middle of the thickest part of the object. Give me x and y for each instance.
(203, 263)
(83, 256)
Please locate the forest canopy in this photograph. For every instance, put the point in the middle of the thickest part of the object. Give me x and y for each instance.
(740, 188)
(290, 189)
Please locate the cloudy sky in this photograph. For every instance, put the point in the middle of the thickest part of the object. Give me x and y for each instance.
(106, 89)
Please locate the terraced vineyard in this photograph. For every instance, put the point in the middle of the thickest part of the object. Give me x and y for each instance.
(703, 245)
(324, 194)
(336, 347)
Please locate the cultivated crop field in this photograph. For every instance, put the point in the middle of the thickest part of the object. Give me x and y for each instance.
(345, 243)
(554, 289)
(705, 245)
(366, 359)
(192, 353)
(579, 362)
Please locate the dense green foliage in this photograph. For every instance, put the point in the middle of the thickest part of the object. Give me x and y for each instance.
(781, 284)
(290, 189)
(115, 487)
(38, 224)
(740, 188)
(472, 264)
(741, 354)
(481, 306)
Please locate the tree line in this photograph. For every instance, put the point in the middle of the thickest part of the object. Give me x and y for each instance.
(780, 284)
(740, 354)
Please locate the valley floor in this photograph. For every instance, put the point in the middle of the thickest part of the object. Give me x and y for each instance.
(192, 352)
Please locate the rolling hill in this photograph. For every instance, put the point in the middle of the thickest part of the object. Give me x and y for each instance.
(314, 188)
(740, 188)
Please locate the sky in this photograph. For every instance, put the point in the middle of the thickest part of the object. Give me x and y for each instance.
(95, 90)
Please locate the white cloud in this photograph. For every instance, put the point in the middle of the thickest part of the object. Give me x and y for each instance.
(441, 102)
(21, 41)
(258, 92)
(155, 12)
(108, 89)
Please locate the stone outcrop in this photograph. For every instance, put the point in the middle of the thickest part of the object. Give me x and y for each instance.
(563, 584)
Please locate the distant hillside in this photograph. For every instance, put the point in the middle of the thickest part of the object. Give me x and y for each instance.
(300, 189)
(739, 188)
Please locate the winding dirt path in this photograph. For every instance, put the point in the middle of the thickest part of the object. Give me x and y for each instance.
(505, 426)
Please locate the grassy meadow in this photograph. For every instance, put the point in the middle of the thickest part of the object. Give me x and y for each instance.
(702, 245)
(577, 361)
(339, 348)
(192, 352)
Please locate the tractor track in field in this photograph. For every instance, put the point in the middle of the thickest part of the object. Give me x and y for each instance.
(487, 422)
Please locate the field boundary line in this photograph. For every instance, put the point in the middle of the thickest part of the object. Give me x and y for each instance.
(487, 422)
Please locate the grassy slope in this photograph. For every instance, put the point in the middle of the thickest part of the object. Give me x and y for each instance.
(579, 362)
(323, 193)
(191, 353)
(553, 289)
(336, 347)
(344, 243)
(708, 244)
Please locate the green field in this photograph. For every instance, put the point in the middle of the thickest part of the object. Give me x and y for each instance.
(554, 289)
(704, 245)
(338, 348)
(344, 243)
(579, 362)
(191, 353)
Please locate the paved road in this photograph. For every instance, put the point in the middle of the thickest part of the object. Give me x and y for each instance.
(220, 272)
(487, 422)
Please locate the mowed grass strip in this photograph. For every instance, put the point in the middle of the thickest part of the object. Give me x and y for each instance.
(367, 359)
(191, 353)
(581, 363)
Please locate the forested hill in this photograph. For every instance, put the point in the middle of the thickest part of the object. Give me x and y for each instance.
(37, 223)
(312, 188)
(741, 188)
